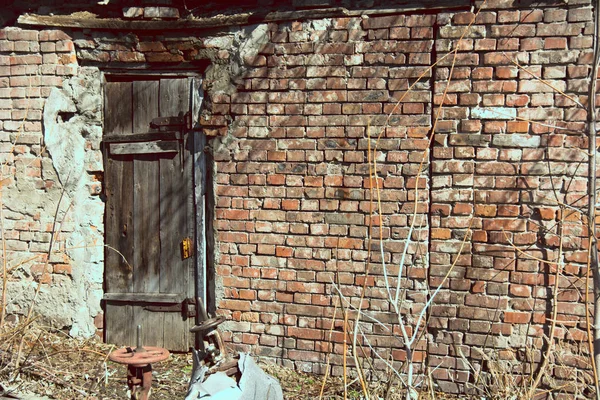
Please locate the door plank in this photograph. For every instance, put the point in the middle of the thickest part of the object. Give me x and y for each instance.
(119, 324)
(146, 203)
(118, 188)
(118, 252)
(146, 276)
(141, 137)
(145, 105)
(152, 326)
(174, 97)
(117, 119)
(171, 232)
(176, 332)
(147, 249)
(174, 101)
(194, 226)
(118, 183)
(198, 190)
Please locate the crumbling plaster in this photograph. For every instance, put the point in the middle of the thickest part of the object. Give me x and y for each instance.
(72, 126)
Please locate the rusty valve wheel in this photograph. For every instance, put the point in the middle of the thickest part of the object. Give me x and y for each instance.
(139, 358)
(139, 366)
(206, 326)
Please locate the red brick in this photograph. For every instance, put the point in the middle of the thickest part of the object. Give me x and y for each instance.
(163, 57)
(53, 35)
(555, 43)
(19, 34)
(383, 22)
(511, 317)
(348, 243)
(440, 233)
(150, 46)
(517, 127)
(520, 291)
(276, 179)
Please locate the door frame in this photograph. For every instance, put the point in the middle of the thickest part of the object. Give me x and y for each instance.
(201, 177)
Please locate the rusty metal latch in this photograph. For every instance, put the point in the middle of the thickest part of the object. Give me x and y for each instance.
(183, 124)
(186, 248)
(163, 123)
(187, 308)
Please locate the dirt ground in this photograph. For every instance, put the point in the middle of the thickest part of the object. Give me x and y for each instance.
(41, 363)
(55, 366)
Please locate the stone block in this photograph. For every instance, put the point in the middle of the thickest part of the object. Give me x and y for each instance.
(515, 140)
(133, 12)
(161, 12)
(503, 113)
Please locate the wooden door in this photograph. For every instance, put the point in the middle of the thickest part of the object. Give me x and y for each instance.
(149, 213)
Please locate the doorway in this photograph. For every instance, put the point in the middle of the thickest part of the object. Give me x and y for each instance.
(153, 256)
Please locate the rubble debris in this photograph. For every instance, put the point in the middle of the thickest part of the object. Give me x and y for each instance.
(254, 383)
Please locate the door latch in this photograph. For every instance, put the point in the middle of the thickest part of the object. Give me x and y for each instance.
(186, 248)
(187, 308)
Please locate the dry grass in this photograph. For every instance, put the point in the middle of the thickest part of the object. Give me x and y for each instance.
(304, 386)
(60, 367)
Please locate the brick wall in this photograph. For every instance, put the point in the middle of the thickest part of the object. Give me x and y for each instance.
(507, 152)
(293, 189)
(293, 192)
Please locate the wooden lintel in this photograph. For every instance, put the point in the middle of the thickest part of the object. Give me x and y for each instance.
(218, 21)
(196, 23)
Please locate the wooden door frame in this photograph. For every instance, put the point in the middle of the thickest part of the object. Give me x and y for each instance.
(201, 176)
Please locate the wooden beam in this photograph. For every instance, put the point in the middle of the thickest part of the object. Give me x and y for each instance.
(219, 21)
(141, 137)
(159, 146)
(170, 298)
(196, 23)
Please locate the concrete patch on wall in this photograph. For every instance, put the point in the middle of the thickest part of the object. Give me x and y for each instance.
(236, 51)
(248, 42)
(244, 48)
(72, 281)
(63, 139)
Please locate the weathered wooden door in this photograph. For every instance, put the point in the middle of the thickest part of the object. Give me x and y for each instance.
(149, 265)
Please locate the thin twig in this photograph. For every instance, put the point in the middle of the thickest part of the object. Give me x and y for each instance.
(55, 231)
(546, 360)
(592, 176)
(330, 349)
(553, 87)
(588, 323)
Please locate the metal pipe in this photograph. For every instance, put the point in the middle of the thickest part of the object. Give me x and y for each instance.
(139, 348)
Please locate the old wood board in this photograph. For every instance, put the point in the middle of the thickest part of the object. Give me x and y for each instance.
(159, 146)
